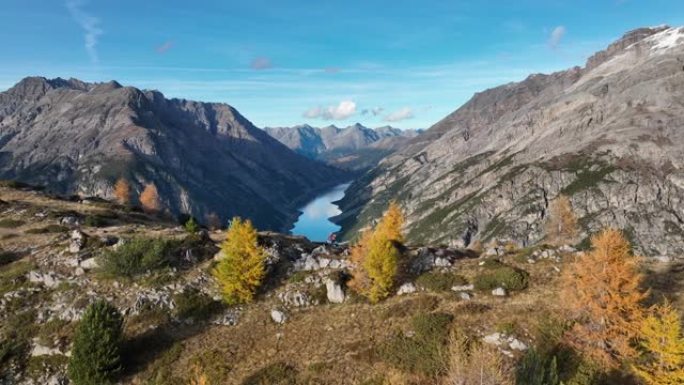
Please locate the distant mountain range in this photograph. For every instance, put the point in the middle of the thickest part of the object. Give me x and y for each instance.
(78, 138)
(609, 135)
(355, 147)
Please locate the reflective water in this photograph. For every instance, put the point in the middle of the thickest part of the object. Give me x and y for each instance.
(314, 223)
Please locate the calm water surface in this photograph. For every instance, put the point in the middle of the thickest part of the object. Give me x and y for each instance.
(314, 223)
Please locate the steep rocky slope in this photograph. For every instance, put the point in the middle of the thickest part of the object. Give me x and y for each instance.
(355, 147)
(78, 138)
(609, 135)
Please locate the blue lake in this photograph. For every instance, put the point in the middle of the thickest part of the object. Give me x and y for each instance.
(314, 223)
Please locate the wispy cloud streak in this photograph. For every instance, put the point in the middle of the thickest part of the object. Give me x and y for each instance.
(90, 25)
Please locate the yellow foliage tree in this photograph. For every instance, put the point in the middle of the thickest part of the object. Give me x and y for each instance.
(602, 290)
(242, 269)
(199, 378)
(376, 256)
(561, 226)
(122, 191)
(149, 199)
(663, 344)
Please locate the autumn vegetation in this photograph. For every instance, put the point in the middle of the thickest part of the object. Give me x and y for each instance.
(149, 199)
(122, 192)
(376, 256)
(242, 267)
(561, 226)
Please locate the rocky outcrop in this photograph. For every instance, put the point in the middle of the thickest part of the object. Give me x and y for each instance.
(607, 135)
(355, 147)
(78, 138)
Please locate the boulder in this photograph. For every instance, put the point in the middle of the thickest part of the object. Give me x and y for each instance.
(89, 263)
(406, 288)
(499, 292)
(71, 221)
(294, 298)
(78, 240)
(470, 287)
(49, 280)
(334, 291)
(465, 296)
(278, 316)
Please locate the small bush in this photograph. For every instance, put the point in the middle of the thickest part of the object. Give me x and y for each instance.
(11, 223)
(96, 221)
(191, 226)
(7, 257)
(55, 332)
(437, 281)
(95, 357)
(502, 275)
(279, 373)
(47, 229)
(537, 369)
(137, 256)
(193, 304)
(424, 352)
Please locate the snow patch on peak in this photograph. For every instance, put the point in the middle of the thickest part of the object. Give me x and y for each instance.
(667, 39)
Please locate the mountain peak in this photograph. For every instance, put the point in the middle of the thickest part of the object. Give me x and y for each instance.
(628, 39)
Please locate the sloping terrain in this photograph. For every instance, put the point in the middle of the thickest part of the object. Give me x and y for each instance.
(79, 138)
(52, 265)
(609, 135)
(355, 147)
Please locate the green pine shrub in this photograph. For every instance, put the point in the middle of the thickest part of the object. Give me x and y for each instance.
(497, 274)
(95, 357)
(137, 256)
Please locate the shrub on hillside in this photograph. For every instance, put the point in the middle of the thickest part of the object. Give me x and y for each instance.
(193, 304)
(137, 256)
(439, 281)
(424, 351)
(537, 369)
(279, 373)
(501, 275)
(95, 357)
(474, 363)
(191, 226)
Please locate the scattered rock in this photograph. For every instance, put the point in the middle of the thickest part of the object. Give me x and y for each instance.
(71, 221)
(465, 296)
(334, 291)
(49, 280)
(89, 263)
(406, 288)
(78, 239)
(663, 259)
(470, 287)
(499, 292)
(294, 298)
(228, 318)
(278, 316)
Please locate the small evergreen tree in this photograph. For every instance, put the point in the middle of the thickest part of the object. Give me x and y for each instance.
(561, 226)
(122, 191)
(191, 226)
(536, 369)
(602, 290)
(149, 199)
(95, 358)
(376, 256)
(662, 341)
(242, 269)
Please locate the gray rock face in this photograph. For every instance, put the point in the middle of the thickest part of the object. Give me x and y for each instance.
(355, 147)
(608, 135)
(78, 138)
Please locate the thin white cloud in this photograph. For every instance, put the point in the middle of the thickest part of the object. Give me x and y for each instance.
(399, 115)
(164, 47)
(261, 63)
(343, 110)
(556, 36)
(90, 25)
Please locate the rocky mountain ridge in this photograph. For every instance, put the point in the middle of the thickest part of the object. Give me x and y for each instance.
(78, 138)
(354, 147)
(608, 135)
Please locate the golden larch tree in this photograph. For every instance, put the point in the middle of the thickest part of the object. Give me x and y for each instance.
(122, 191)
(662, 342)
(242, 268)
(149, 199)
(376, 256)
(561, 225)
(602, 290)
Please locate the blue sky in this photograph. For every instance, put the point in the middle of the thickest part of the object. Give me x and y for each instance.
(404, 63)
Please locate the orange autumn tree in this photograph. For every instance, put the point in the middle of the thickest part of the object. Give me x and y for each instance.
(561, 226)
(602, 290)
(149, 199)
(662, 342)
(122, 191)
(376, 256)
